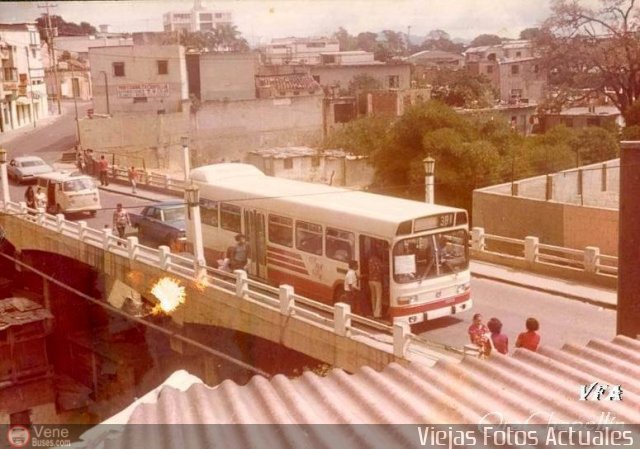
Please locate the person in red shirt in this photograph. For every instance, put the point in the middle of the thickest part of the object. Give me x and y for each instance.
(500, 340)
(479, 335)
(529, 339)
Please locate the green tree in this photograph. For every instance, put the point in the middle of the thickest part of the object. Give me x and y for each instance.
(440, 40)
(595, 144)
(63, 27)
(486, 39)
(367, 41)
(347, 42)
(459, 88)
(363, 83)
(529, 34)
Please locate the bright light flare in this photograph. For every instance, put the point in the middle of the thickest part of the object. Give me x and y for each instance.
(170, 295)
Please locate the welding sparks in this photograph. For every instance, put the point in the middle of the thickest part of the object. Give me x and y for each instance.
(170, 294)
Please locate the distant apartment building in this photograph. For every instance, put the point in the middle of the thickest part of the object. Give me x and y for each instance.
(23, 94)
(298, 51)
(139, 78)
(513, 68)
(197, 19)
(580, 117)
(426, 64)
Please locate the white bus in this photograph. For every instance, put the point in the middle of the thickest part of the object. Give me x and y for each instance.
(304, 235)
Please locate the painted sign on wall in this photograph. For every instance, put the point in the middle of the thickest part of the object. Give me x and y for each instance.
(143, 90)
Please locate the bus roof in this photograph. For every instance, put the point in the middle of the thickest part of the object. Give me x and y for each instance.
(58, 176)
(245, 185)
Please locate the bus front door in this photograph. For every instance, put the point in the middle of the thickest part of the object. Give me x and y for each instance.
(256, 235)
(373, 247)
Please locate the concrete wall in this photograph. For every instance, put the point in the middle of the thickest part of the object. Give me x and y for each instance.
(531, 79)
(342, 75)
(228, 76)
(141, 69)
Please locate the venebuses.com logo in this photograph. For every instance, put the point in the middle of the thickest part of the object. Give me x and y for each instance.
(18, 436)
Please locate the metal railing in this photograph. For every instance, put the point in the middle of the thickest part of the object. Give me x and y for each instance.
(146, 179)
(338, 318)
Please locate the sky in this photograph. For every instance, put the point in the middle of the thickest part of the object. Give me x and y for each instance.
(261, 20)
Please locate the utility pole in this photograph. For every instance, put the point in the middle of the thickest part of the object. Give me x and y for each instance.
(33, 108)
(52, 52)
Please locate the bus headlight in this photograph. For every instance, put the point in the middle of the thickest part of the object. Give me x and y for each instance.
(463, 288)
(404, 300)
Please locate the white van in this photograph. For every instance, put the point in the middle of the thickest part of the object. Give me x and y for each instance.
(70, 192)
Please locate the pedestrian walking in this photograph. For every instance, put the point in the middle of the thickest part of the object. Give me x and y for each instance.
(133, 178)
(500, 341)
(352, 286)
(30, 198)
(375, 284)
(239, 255)
(530, 339)
(121, 220)
(41, 199)
(479, 335)
(103, 167)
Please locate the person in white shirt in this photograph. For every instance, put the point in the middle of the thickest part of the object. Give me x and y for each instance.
(41, 199)
(352, 286)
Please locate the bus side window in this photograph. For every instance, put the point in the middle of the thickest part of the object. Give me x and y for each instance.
(339, 244)
(309, 237)
(281, 230)
(209, 212)
(230, 217)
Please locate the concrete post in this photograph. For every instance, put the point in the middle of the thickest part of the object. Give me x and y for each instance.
(106, 233)
(242, 286)
(591, 254)
(531, 249)
(165, 254)
(60, 222)
(166, 181)
(82, 229)
(132, 245)
(342, 319)
(514, 188)
(401, 333)
(286, 299)
(548, 191)
(477, 239)
(40, 218)
(5, 184)
(628, 313)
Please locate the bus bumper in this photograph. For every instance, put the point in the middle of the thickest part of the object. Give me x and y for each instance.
(435, 313)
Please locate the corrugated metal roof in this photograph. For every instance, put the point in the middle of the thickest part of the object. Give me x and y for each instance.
(20, 311)
(526, 387)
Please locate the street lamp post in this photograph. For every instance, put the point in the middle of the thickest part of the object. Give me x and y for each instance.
(429, 172)
(192, 197)
(5, 177)
(184, 141)
(106, 88)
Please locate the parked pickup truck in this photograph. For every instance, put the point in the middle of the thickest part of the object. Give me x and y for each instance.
(161, 224)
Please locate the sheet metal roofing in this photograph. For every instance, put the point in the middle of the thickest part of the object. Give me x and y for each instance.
(526, 387)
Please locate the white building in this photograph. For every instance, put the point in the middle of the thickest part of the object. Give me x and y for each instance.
(23, 94)
(197, 19)
(295, 50)
(139, 78)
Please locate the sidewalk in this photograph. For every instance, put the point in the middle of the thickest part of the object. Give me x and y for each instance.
(598, 296)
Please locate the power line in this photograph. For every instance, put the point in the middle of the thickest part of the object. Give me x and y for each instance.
(154, 326)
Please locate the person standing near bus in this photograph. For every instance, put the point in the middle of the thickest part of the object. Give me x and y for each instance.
(133, 178)
(375, 284)
(240, 254)
(103, 167)
(352, 286)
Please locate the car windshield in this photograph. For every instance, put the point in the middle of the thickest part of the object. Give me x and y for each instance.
(31, 163)
(174, 214)
(429, 256)
(78, 184)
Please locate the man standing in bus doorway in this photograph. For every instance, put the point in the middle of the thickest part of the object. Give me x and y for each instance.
(352, 286)
(240, 254)
(375, 283)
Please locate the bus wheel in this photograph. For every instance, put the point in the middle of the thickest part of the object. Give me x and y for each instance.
(339, 295)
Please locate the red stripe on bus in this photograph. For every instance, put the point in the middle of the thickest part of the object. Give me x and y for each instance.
(296, 262)
(288, 267)
(404, 311)
(284, 252)
(303, 287)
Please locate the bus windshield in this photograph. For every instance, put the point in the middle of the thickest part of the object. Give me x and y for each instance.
(429, 256)
(78, 184)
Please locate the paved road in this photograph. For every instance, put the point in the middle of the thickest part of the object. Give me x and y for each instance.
(561, 320)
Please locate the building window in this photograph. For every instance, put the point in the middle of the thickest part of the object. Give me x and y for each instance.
(536, 68)
(315, 161)
(515, 69)
(309, 237)
(516, 93)
(118, 69)
(22, 418)
(163, 67)
(518, 54)
(489, 69)
(328, 59)
(281, 230)
(230, 217)
(288, 163)
(339, 244)
(394, 81)
(316, 45)
(209, 212)
(206, 17)
(33, 37)
(218, 15)
(491, 57)
(139, 99)
(316, 78)
(33, 52)
(206, 26)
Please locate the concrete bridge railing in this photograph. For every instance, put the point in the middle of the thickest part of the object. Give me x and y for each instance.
(397, 339)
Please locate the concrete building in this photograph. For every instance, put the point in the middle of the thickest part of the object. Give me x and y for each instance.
(520, 116)
(139, 78)
(227, 77)
(425, 64)
(573, 208)
(333, 167)
(580, 117)
(196, 19)
(513, 68)
(74, 78)
(23, 94)
(298, 51)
